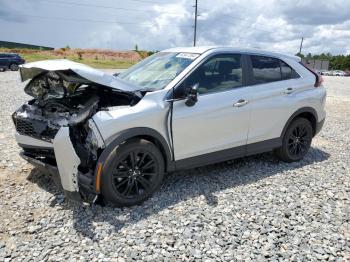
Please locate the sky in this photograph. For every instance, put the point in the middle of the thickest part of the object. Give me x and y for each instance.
(276, 25)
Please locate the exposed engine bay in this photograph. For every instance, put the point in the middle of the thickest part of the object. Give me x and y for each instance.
(65, 99)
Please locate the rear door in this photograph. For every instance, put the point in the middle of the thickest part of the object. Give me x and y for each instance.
(220, 118)
(273, 83)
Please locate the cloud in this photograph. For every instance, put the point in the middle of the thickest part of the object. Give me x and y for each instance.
(322, 12)
(271, 24)
(165, 28)
(7, 13)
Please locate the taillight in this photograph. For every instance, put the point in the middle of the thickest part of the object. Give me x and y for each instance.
(319, 78)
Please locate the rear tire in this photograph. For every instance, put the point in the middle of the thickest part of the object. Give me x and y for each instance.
(14, 67)
(296, 141)
(135, 171)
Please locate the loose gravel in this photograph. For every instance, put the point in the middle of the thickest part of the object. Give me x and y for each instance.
(255, 208)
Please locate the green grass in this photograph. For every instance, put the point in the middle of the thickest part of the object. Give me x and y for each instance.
(100, 63)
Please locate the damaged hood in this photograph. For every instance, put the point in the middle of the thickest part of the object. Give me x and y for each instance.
(31, 70)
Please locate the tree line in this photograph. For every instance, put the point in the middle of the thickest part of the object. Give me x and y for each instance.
(336, 62)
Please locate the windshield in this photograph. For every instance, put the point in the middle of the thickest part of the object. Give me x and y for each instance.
(158, 70)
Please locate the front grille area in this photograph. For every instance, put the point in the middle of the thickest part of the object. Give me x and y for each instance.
(34, 128)
(25, 127)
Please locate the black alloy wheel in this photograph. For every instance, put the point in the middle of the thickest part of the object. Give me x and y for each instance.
(296, 141)
(136, 172)
(14, 67)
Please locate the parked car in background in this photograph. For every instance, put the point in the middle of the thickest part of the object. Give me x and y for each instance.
(115, 136)
(325, 73)
(338, 73)
(10, 61)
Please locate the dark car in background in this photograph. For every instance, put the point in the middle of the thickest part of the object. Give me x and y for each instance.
(10, 61)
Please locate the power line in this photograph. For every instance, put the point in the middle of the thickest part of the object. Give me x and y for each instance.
(104, 6)
(100, 21)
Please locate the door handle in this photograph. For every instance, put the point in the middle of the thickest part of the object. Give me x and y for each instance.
(289, 90)
(240, 102)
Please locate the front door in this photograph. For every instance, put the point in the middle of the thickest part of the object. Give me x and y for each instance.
(220, 118)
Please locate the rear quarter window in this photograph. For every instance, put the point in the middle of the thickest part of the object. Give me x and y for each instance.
(288, 72)
(268, 69)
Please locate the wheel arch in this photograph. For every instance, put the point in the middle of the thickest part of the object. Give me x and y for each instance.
(148, 134)
(306, 112)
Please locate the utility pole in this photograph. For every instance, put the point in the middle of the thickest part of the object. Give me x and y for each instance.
(195, 24)
(301, 45)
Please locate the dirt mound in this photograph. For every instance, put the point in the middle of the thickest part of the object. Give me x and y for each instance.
(84, 53)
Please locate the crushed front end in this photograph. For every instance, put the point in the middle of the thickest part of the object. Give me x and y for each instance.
(55, 129)
(68, 153)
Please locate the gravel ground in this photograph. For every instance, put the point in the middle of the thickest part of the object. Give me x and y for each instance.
(255, 208)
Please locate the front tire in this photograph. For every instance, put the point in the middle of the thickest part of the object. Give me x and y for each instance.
(296, 141)
(135, 172)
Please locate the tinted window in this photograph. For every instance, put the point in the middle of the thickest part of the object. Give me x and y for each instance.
(6, 56)
(288, 72)
(267, 69)
(219, 73)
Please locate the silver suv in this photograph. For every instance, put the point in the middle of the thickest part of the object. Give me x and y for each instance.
(113, 137)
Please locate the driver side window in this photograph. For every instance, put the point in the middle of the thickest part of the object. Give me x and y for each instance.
(220, 73)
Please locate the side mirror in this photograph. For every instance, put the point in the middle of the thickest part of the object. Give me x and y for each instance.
(192, 96)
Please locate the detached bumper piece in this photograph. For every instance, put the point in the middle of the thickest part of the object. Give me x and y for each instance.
(67, 160)
(62, 162)
(73, 182)
(86, 191)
